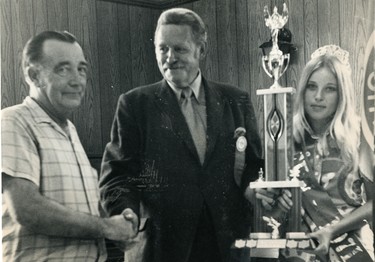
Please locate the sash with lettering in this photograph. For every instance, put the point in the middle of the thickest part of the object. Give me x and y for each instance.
(320, 211)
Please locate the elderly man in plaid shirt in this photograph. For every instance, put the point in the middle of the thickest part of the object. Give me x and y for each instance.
(50, 191)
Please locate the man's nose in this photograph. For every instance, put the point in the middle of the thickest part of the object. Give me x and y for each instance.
(76, 78)
(171, 56)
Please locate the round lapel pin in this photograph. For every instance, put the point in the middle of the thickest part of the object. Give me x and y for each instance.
(241, 144)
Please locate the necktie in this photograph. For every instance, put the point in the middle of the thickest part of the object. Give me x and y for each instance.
(194, 121)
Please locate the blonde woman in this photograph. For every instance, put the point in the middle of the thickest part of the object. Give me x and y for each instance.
(327, 135)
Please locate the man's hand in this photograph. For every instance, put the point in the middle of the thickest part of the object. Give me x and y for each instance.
(122, 227)
(285, 202)
(268, 197)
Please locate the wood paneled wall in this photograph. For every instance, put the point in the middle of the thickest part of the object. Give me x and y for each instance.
(118, 43)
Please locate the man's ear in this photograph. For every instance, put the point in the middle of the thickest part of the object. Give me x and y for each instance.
(33, 74)
(203, 50)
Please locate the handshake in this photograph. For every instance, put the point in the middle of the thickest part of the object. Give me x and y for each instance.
(123, 229)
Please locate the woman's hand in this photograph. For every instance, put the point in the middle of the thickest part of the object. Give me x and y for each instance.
(323, 237)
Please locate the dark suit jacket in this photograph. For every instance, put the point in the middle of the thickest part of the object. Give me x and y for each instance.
(151, 159)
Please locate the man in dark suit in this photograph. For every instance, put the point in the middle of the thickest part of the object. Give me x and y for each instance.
(173, 148)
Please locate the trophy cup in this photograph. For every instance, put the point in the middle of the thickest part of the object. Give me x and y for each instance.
(276, 63)
(267, 239)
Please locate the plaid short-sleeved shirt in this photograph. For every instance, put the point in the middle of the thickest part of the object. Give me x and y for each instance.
(35, 148)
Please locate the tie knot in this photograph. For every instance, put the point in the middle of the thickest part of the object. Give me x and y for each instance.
(186, 92)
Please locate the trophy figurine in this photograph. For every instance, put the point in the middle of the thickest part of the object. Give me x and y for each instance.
(274, 224)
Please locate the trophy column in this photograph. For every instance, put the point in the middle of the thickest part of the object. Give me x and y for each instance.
(278, 149)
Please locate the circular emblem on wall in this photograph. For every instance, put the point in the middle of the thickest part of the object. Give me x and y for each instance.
(368, 109)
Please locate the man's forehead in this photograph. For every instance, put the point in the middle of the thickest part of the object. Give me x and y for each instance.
(56, 50)
(173, 34)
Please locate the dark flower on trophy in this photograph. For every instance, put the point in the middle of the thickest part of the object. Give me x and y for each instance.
(284, 42)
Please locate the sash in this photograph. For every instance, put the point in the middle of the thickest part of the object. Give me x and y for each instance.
(347, 247)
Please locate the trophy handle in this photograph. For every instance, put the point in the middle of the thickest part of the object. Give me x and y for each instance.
(286, 61)
(264, 63)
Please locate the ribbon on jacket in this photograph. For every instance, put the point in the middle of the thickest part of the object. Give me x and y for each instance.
(239, 158)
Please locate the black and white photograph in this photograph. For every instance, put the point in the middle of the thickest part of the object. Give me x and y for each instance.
(187, 130)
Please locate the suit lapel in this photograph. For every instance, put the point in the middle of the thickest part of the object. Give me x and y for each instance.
(214, 109)
(168, 104)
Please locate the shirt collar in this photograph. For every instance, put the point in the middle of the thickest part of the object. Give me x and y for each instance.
(38, 113)
(195, 87)
(41, 116)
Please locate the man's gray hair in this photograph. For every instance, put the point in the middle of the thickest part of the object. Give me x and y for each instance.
(183, 16)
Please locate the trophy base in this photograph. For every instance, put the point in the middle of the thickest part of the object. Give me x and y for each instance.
(264, 253)
(260, 235)
(296, 235)
(277, 184)
(261, 246)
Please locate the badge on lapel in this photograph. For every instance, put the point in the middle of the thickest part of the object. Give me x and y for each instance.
(241, 142)
(239, 157)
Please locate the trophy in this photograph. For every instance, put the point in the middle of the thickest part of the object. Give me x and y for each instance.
(271, 233)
